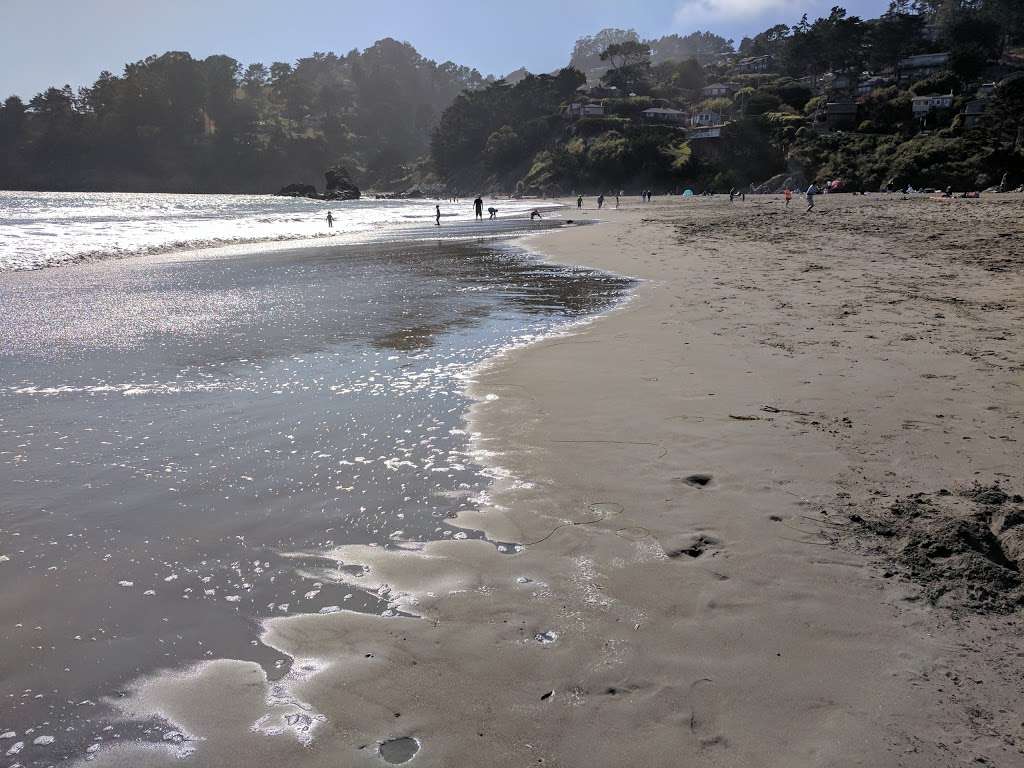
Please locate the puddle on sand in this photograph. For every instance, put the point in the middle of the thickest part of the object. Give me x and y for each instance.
(398, 751)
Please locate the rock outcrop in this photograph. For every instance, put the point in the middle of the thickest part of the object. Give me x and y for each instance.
(298, 190)
(339, 185)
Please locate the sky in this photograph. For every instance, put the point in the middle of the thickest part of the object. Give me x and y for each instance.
(53, 42)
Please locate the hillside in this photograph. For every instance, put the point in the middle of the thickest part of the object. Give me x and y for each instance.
(175, 123)
(925, 96)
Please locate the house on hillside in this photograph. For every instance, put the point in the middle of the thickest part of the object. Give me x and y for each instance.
(836, 116)
(837, 82)
(718, 91)
(664, 115)
(707, 117)
(866, 86)
(705, 133)
(579, 109)
(974, 113)
(985, 90)
(925, 105)
(914, 68)
(755, 64)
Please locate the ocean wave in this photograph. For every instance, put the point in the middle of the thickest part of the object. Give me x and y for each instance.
(46, 229)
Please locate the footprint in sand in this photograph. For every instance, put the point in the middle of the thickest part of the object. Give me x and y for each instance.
(691, 545)
(398, 751)
(699, 480)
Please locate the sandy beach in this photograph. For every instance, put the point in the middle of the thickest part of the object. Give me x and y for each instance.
(711, 485)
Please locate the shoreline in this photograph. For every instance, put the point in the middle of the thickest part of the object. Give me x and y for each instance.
(678, 600)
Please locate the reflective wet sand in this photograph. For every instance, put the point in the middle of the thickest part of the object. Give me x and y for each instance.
(172, 428)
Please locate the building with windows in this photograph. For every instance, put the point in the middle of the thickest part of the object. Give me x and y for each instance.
(925, 105)
(580, 109)
(664, 115)
(914, 68)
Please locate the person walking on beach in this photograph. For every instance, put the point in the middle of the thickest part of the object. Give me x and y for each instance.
(478, 207)
(732, 194)
(811, 192)
(535, 214)
(437, 216)
(788, 194)
(600, 202)
(616, 201)
(579, 202)
(330, 220)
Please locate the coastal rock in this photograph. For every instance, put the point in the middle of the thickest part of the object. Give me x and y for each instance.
(298, 190)
(339, 185)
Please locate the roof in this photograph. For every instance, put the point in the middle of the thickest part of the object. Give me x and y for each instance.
(925, 60)
(934, 96)
(718, 85)
(975, 107)
(842, 107)
(662, 111)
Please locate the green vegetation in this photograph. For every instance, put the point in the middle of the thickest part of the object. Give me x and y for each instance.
(832, 98)
(174, 123)
(825, 99)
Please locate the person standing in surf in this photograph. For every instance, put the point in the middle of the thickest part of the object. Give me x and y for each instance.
(330, 220)
(478, 207)
(437, 216)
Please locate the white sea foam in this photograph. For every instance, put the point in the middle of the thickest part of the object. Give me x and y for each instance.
(43, 229)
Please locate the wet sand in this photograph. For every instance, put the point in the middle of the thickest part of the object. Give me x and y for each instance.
(173, 428)
(684, 476)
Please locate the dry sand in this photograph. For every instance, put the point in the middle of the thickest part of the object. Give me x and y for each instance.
(687, 468)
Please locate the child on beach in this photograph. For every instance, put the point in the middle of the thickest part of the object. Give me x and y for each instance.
(811, 192)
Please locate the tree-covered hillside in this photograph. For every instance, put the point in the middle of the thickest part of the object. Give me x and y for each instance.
(929, 94)
(175, 123)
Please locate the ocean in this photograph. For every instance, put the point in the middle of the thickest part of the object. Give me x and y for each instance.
(44, 229)
(177, 423)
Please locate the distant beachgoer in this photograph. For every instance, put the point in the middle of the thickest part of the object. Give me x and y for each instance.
(732, 194)
(579, 201)
(811, 192)
(788, 194)
(535, 214)
(330, 220)
(437, 216)
(616, 201)
(478, 206)
(743, 196)
(493, 212)
(600, 202)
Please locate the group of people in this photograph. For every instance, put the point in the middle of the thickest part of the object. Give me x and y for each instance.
(478, 212)
(478, 203)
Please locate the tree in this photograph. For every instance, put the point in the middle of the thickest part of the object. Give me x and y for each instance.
(627, 54)
(586, 55)
(893, 36)
(705, 47)
(631, 64)
(974, 38)
(503, 149)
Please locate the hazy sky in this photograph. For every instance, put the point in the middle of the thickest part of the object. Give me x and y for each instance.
(52, 42)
